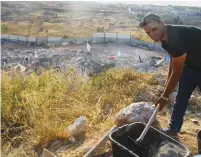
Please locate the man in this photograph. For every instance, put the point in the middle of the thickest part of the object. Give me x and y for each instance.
(183, 44)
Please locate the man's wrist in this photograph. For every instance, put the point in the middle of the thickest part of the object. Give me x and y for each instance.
(164, 97)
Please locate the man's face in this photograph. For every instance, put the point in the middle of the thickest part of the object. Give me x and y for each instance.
(155, 30)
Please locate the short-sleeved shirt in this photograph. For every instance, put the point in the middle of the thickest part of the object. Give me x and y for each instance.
(184, 39)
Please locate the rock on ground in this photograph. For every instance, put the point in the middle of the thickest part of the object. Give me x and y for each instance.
(135, 112)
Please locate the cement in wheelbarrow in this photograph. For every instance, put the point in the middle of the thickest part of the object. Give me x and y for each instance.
(158, 144)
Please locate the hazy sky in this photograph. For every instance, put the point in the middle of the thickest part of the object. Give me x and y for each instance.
(157, 2)
(185, 3)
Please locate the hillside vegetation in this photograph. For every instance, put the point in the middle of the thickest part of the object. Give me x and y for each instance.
(36, 109)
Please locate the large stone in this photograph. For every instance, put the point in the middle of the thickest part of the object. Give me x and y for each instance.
(77, 128)
(135, 112)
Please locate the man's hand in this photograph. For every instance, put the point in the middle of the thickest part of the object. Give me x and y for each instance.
(161, 102)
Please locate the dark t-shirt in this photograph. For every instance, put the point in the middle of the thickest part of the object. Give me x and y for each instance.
(184, 39)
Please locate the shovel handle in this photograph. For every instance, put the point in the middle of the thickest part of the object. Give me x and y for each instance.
(148, 124)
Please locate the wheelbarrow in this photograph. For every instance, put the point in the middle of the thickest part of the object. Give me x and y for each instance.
(123, 146)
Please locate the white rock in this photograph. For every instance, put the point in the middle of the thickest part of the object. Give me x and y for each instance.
(135, 112)
(63, 44)
(19, 68)
(72, 50)
(72, 139)
(77, 128)
(107, 109)
(79, 42)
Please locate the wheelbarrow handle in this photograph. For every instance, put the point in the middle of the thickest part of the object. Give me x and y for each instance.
(148, 124)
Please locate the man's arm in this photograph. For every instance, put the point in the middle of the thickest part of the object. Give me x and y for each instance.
(177, 68)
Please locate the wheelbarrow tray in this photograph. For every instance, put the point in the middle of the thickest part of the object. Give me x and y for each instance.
(123, 147)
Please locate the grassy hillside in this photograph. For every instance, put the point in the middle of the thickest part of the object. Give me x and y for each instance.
(37, 108)
(80, 21)
(60, 29)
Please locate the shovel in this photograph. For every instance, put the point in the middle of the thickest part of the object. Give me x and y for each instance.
(140, 139)
(139, 146)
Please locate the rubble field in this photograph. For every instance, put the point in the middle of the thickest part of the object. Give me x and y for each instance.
(101, 56)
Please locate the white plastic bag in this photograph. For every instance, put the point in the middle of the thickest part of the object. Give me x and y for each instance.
(35, 54)
(88, 47)
(118, 54)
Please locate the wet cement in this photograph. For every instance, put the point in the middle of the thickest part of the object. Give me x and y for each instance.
(153, 145)
(168, 149)
(161, 147)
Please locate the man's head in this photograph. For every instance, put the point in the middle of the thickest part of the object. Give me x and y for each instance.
(153, 26)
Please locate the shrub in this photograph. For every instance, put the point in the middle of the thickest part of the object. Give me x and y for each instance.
(4, 28)
(100, 29)
(65, 36)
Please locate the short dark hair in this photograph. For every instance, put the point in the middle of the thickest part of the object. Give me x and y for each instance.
(148, 18)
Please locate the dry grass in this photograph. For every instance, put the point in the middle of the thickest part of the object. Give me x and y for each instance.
(54, 29)
(75, 23)
(84, 29)
(138, 33)
(37, 108)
